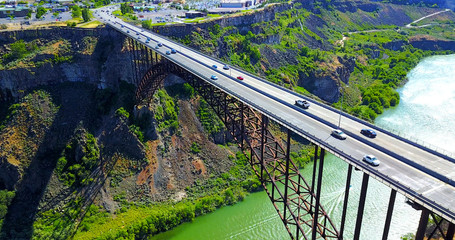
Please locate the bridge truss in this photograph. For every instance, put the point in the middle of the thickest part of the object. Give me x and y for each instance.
(296, 202)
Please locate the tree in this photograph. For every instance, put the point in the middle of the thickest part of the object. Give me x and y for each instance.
(29, 14)
(40, 11)
(125, 8)
(76, 11)
(85, 15)
(18, 49)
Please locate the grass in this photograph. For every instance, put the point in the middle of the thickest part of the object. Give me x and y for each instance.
(193, 20)
(122, 220)
(92, 24)
(214, 15)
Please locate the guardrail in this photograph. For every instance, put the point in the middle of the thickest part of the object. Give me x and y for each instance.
(337, 152)
(415, 142)
(369, 143)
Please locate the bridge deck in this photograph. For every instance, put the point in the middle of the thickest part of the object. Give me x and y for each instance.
(420, 174)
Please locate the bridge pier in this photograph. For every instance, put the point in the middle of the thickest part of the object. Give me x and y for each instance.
(313, 180)
(363, 194)
(346, 198)
(422, 224)
(318, 195)
(388, 219)
(450, 232)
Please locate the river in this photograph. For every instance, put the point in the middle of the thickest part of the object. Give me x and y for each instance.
(426, 112)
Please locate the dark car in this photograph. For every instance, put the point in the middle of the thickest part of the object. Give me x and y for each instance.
(168, 52)
(302, 103)
(173, 51)
(226, 67)
(160, 44)
(368, 132)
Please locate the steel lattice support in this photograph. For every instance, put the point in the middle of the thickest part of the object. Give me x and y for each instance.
(297, 203)
(267, 156)
(270, 161)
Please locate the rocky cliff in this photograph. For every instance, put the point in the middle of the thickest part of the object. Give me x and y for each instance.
(96, 56)
(426, 42)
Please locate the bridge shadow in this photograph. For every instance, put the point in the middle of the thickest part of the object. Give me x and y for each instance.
(74, 111)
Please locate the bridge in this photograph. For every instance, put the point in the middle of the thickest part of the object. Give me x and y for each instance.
(247, 107)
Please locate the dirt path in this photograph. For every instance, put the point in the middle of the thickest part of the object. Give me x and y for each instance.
(341, 42)
(430, 15)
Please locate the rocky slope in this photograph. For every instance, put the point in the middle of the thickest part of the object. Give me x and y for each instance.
(42, 140)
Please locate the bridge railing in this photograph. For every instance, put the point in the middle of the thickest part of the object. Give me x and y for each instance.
(387, 180)
(332, 125)
(443, 153)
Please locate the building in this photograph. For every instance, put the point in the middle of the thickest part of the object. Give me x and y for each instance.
(236, 3)
(195, 14)
(13, 11)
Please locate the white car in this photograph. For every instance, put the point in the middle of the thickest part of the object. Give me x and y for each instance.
(371, 160)
(339, 134)
(302, 103)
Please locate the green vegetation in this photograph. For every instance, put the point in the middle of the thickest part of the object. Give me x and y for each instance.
(121, 112)
(76, 11)
(209, 120)
(6, 197)
(85, 14)
(166, 112)
(19, 49)
(378, 70)
(101, 3)
(139, 221)
(40, 11)
(125, 8)
(73, 167)
(195, 148)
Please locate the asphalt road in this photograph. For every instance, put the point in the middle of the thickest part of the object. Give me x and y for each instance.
(421, 175)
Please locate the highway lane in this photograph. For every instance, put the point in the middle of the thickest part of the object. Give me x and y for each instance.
(419, 182)
(351, 127)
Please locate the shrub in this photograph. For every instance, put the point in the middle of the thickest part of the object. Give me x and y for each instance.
(122, 113)
(195, 148)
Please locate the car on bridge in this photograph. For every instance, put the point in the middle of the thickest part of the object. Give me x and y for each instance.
(226, 67)
(127, 31)
(213, 77)
(160, 44)
(302, 103)
(157, 47)
(173, 51)
(168, 52)
(339, 134)
(371, 160)
(214, 66)
(368, 132)
(240, 78)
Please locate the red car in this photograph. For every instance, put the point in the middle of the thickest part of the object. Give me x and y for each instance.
(240, 78)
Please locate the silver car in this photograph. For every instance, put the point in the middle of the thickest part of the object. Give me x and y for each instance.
(339, 134)
(371, 160)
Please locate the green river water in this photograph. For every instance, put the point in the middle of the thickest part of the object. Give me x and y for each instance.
(426, 112)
